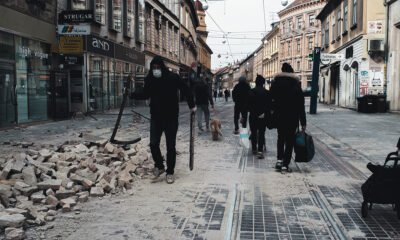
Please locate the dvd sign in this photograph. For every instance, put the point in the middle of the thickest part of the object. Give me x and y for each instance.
(99, 45)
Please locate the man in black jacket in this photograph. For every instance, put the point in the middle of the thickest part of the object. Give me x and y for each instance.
(227, 94)
(259, 108)
(162, 86)
(289, 109)
(240, 95)
(203, 98)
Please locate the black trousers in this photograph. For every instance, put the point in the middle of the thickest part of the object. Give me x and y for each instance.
(168, 126)
(286, 139)
(237, 111)
(257, 137)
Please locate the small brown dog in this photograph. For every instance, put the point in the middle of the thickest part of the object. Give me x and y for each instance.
(215, 126)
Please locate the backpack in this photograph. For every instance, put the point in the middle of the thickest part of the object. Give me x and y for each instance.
(304, 147)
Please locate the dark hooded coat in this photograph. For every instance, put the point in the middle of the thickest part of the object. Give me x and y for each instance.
(240, 94)
(203, 94)
(288, 100)
(163, 91)
(259, 102)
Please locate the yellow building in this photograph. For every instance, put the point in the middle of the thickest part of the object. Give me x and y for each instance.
(271, 42)
(355, 30)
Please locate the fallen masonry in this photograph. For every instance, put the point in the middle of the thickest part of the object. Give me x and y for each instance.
(38, 183)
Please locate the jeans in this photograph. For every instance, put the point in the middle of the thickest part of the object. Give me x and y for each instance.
(168, 126)
(257, 128)
(286, 139)
(200, 109)
(237, 111)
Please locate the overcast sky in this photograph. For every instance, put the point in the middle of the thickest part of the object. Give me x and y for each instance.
(243, 21)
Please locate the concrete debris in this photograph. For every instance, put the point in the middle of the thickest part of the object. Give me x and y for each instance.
(35, 182)
(14, 234)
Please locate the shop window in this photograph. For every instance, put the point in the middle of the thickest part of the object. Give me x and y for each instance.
(100, 11)
(6, 46)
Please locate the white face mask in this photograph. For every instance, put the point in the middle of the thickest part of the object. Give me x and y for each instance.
(157, 73)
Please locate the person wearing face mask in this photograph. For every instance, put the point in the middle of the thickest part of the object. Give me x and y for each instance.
(161, 87)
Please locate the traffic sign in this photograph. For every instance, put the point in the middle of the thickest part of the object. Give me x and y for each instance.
(329, 56)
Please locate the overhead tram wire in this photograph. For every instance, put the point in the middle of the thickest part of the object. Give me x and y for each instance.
(227, 40)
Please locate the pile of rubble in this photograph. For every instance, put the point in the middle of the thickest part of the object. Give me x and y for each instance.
(34, 184)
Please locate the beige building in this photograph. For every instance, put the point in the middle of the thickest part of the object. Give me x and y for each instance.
(271, 65)
(258, 64)
(204, 51)
(355, 30)
(393, 42)
(300, 32)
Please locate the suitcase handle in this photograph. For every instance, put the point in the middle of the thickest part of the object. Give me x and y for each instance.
(391, 158)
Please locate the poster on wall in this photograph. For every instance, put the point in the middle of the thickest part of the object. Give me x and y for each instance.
(376, 78)
(375, 27)
(364, 82)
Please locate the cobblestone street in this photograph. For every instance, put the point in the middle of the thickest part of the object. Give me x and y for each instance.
(230, 194)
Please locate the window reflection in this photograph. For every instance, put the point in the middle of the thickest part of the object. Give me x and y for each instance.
(100, 11)
(78, 4)
(117, 14)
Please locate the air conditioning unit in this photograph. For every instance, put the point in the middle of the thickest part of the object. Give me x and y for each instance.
(375, 45)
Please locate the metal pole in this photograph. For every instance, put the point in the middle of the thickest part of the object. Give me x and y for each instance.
(315, 77)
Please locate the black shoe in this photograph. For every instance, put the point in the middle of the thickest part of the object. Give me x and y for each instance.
(260, 155)
(286, 169)
(157, 172)
(278, 165)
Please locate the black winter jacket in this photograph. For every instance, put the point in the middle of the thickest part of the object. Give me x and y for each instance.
(288, 100)
(259, 102)
(163, 92)
(240, 94)
(203, 94)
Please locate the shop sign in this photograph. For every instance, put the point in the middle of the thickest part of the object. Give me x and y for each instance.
(76, 16)
(129, 55)
(100, 45)
(73, 60)
(328, 56)
(73, 29)
(375, 27)
(71, 45)
(27, 52)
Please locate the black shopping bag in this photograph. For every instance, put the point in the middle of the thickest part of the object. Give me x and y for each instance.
(304, 147)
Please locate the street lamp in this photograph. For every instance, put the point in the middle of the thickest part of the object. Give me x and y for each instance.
(284, 2)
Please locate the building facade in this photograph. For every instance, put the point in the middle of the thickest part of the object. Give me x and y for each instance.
(246, 67)
(393, 54)
(271, 65)
(299, 34)
(354, 29)
(258, 64)
(204, 52)
(27, 40)
(99, 61)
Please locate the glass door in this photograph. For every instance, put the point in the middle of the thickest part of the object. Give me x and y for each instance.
(61, 95)
(7, 95)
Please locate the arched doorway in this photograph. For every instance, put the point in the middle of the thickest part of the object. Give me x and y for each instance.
(355, 87)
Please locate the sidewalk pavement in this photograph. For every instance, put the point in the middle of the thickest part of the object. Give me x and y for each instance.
(372, 136)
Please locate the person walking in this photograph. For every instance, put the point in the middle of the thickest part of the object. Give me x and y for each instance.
(161, 87)
(215, 95)
(240, 95)
(259, 108)
(203, 99)
(227, 95)
(288, 100)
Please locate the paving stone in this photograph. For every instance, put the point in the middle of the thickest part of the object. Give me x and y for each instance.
(66, 208)
(37, 197)
(109, 148)
(71, 201)
(29, 175)
(14, 234)
(6, 170)
(15, 220)
(51, 200)
(96, 192)
(51, 213)
(16, 211)
(19, 163)
(64, 193)
(50, 192)
(51, 183)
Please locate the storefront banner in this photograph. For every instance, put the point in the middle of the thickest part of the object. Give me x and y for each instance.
(99, 45)
(71, 45)
(73, 29)
(76, 16)
(129, 55)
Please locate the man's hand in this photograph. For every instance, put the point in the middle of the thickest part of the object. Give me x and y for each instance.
(193, 110)
(303, 127)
